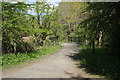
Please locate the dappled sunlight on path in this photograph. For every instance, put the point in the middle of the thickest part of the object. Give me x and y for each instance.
(59, 65)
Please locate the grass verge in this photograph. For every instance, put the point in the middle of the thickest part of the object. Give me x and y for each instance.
(100, 63)
(9, 60)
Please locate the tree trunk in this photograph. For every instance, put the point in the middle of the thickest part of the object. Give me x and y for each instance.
(93, 46)
(100, 39)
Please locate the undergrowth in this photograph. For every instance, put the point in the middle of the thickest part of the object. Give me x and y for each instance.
(13, 59)
(100, 63)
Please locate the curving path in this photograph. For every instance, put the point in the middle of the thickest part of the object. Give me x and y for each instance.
(58, 65)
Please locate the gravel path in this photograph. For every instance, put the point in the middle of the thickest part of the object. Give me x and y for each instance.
(58, 65)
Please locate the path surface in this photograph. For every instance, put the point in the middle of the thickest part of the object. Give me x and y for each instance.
(58, 65)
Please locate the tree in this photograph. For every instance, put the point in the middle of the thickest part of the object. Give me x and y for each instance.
(22, 30)
(103, 21)
(71, 15)
(13, 26)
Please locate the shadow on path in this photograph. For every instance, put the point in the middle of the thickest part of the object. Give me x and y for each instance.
(99, 63)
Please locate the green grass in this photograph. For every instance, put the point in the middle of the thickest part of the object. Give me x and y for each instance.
(9, 60)
(99, 63)
(82, 47)
(0, 37)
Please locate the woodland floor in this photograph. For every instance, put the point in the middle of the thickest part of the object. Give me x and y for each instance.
(59, 65)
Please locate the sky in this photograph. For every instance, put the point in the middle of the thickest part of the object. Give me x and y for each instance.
(55, 2)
